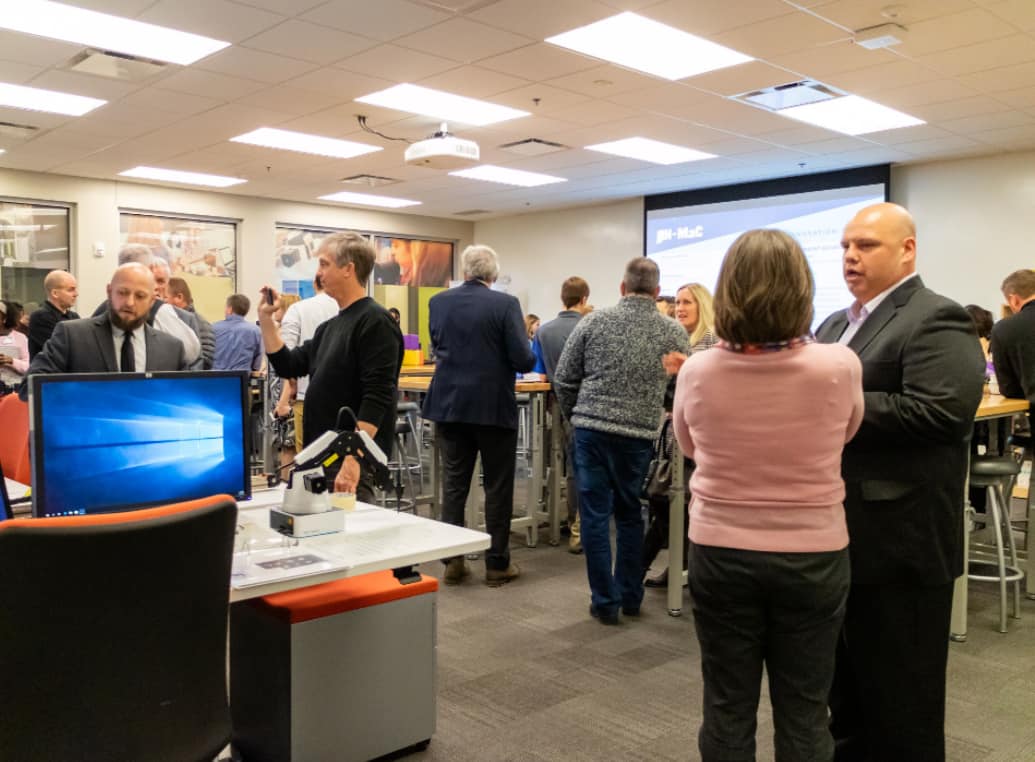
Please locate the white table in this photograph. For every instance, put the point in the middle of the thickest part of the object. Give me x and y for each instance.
(374, 539)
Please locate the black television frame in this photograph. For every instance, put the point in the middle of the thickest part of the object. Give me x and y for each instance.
(37, 382)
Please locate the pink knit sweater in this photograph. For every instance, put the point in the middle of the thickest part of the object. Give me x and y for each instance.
(766, 431)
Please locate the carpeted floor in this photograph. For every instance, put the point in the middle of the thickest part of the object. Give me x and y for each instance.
(525, 674)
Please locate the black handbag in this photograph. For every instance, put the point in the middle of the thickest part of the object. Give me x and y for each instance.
(658, 480)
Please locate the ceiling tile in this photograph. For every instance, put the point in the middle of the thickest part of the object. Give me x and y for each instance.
(1018, 48)
(292, 101)
(1020, 13)
(539, 19)
(36, 51)
(593, 112)
(473, 81)
(912, 134)
(966, 28)
(884, 76)
(540, 99)
(1023, 97)
(18, 73)
(972, 124)
(126, 120)
(397, 64)
(927, 92)
(381, 20)
(731, 116)
(36, 119)
(283, 7)
(743, 78)
(938, 147)
(709, 17)
(182, 104)
(210, 85)
(83, 84)
(127, 8)
(801, 136)
(781, 35)
(347, 84)
(1008, 137)
(859, 14)
(825, 60)
(213, 18)
(538, 62)
(479, 40)
(831, 145)
(309, 42)
(957, 109)
(1003, 78)
(605, 81)
(238, 61)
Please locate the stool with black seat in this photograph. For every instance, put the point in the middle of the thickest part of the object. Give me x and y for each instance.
(997, 475)
(122, 619)
(401, 464)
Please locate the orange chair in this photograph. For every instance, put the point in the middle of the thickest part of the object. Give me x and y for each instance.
(14, 441)
(114, 638)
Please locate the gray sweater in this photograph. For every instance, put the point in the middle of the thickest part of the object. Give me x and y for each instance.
(610, 377)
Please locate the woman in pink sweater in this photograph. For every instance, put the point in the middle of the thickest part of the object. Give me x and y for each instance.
(765, 415)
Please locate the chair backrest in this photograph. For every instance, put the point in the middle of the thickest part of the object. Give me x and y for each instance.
(14, 439)
(113, 642)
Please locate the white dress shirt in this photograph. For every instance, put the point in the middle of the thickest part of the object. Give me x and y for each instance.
(167, 321)
(139, 348)
(857, 313)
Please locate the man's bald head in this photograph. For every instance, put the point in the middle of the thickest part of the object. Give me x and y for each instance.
(61, 289)
(130, 295)
(879, 247)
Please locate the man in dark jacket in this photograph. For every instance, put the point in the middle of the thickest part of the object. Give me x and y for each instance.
(178, 294)
(1013, 339)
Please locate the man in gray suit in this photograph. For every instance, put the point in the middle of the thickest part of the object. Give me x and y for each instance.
(904, 473)
(118, 339)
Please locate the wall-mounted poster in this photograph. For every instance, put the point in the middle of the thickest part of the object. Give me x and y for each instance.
(412, 262)
(294, 262)
(202, 252)
(33, 241)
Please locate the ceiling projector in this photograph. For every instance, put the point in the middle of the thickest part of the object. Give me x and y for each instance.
(443, 151)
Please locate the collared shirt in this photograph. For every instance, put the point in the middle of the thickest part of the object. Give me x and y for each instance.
(139, 347)
(238, 344)
(857, 313)
(42, 322)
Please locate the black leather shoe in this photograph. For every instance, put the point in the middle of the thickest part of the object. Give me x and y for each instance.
(603, 617)
(660, 581)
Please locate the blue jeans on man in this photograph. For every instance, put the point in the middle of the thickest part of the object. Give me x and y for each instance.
(610, 469)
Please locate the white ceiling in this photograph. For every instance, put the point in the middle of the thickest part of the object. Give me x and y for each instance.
(967, 67)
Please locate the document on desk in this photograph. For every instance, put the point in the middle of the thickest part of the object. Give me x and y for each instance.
(259, 567)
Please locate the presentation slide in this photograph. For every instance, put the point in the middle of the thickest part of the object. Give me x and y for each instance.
(163, 440)
(689, 242)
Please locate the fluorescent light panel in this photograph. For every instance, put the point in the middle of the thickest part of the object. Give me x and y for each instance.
(186, 178)
(50, 101)
(649, 46)
(102, 30)
(415, 99)
(851, 115)
(653, 151)
(366, 199)
(493, 174)
(301, 142)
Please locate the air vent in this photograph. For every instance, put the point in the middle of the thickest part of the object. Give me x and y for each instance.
(17, 131)
(471, 212)
(792, 94)
(105, 63)
(369, 181)
(533, 147)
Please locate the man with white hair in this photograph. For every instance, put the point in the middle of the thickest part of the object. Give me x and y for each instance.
(478, 336)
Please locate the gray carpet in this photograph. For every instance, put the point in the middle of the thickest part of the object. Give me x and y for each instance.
(525, 674)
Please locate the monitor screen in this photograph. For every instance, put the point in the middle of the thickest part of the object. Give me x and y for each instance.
(119, 441)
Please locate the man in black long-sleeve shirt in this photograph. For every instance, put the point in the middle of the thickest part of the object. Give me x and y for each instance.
(62, 292)
(1013, 339)
(353, 359)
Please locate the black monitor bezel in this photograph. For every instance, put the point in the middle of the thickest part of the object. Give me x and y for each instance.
(37, 382)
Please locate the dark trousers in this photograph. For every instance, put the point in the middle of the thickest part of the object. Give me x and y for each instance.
(888, 698)
(609, 471)
(783, 610)
(460, 444)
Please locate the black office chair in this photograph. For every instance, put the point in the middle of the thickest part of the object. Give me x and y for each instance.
(113, 643)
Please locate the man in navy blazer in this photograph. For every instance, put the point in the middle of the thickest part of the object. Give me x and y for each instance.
(479, 340)
(904, 471)
(95, 345)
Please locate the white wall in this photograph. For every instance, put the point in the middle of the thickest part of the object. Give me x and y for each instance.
(95, 219)
(974, 217)
(538, 251)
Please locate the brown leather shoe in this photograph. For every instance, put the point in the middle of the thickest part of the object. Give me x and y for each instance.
(499, 577)
(456, 571)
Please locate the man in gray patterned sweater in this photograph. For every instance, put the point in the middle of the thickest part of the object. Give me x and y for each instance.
(610, 384)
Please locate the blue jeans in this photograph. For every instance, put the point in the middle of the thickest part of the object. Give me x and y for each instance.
(609, 471)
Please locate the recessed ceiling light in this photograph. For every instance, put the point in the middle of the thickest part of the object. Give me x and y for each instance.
(51, 101)
(649, 46)
(107, 32)
(653, 151)
(851, 115)
(304, 143)
(186, 178)
(346, 197)
(415, 99)
(493, 174)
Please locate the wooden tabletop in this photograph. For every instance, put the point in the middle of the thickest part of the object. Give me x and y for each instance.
(421, 384)
(417, 370)
(995, 406)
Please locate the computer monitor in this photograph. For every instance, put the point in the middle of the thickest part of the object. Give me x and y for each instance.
(111, 442)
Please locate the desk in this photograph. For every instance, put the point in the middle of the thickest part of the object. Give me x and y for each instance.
(374, 539)
(407, 371)
(992, 408)
(538, 504)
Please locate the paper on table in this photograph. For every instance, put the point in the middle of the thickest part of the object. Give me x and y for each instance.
(15, 489)
(258, 567)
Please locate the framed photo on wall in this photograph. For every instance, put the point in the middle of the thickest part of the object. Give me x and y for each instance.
(202, 251)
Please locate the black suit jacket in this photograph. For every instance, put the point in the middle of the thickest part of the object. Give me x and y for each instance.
(1013, 352)
(480, 345)
(87, 346)
(904, 471)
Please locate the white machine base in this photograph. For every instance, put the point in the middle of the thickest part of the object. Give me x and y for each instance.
(307, 524)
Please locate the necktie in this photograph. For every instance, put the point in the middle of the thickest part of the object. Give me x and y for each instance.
(127, 362)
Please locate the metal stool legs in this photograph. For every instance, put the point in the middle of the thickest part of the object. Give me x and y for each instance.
(998, 486)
